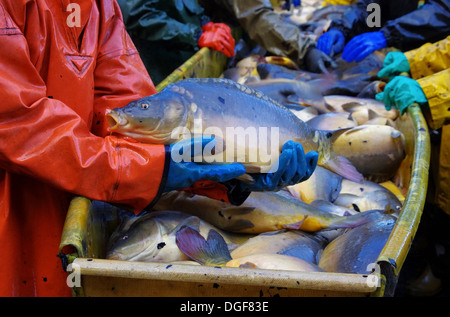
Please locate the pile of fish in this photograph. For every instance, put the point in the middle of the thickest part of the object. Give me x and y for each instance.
(338, 220)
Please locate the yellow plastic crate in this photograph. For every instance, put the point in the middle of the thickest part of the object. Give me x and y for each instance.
(87, 224)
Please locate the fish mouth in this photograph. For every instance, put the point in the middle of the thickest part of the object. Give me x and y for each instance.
(114, 120)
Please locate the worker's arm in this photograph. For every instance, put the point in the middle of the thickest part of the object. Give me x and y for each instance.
(430, 58)
(428, 23)
(437, 90)
(159, 20)
(265, 27)
(44, 138)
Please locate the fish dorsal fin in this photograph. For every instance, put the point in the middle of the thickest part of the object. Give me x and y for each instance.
(231, 84)
(354, 129)
(192, 222)
(372, 114)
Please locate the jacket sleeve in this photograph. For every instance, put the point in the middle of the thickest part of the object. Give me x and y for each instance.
(264, 26)
(403, 25)
(44, 138)
(437, 90)
(430, 65)
(429, 23)
(146, 20)
(429, 58)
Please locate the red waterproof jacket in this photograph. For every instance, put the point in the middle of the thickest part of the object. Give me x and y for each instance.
(62, 64)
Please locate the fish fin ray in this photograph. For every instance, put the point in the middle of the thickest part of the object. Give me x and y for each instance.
(295, 225)
(212, 252)
(342, 166)
(246, 178)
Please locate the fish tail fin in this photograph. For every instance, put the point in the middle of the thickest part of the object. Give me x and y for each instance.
(337, 163)
(211, 252)
(354, 220)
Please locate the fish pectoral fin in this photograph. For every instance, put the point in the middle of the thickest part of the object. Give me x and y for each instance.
(248, 265)
(342, 166)
(295, 225)
(212, 252)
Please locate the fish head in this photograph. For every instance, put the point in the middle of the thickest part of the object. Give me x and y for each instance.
(154, 119)
(138, 240)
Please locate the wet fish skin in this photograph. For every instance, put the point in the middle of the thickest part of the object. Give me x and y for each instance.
(293, 242)
(375, 150)
(151, 237)
(332, 121)
(380, 199)
(289, 92)
(221, 104)
(272, 261)
(261, 212)
(272, 71)
(357, 248)
(212, 251)
(322, 184)
(351, 104)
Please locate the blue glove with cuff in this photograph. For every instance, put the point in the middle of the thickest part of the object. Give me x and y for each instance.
(182, 173)
(293, 167)
(362, 45)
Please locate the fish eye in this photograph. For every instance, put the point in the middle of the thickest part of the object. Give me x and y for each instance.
(144, 105)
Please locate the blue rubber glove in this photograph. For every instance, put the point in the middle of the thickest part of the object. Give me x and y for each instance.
(393, 64)
(400, 93)
(293, 167)
(331, 42)
(183, 173)
(362, 45)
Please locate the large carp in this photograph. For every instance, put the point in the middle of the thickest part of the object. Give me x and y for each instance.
(247, 125)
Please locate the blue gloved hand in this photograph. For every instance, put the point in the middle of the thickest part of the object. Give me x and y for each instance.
(183, 173)
(393, 64)
(331, 42)
(293, 167)
(400, 93)
(362, 45)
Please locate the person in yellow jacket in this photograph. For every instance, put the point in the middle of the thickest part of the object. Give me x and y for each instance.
(429, 86)
(338, 2)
